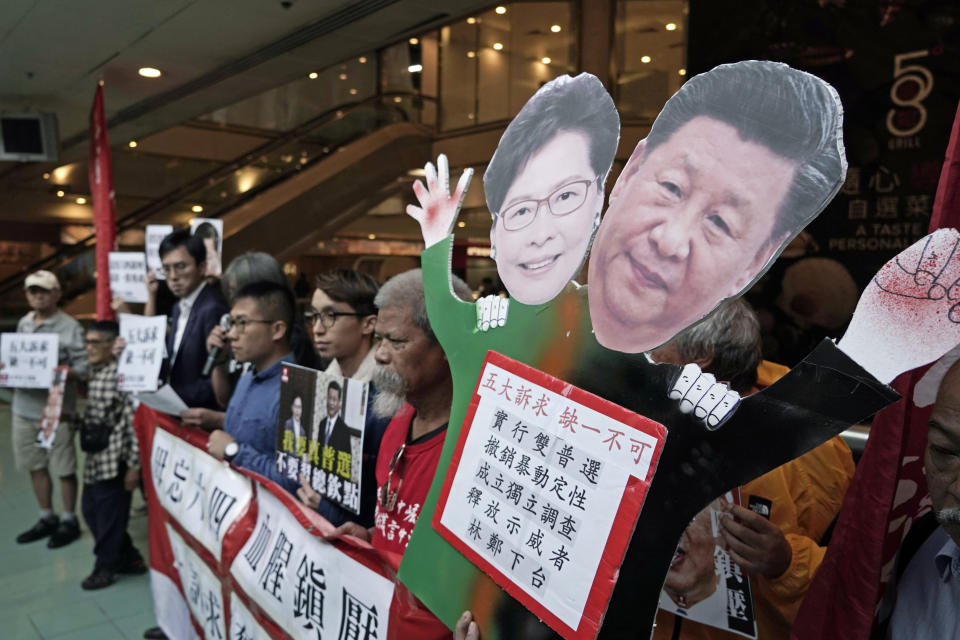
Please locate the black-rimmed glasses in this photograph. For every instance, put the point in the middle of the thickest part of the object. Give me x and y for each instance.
(229, 323)
(327, 317)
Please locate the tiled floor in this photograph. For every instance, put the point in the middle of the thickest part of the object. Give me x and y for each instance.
(40, 594)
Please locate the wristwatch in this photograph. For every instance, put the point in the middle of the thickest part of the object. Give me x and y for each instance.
(230, 451)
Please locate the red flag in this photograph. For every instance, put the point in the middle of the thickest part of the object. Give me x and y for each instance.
(889, 490)
(104, 203)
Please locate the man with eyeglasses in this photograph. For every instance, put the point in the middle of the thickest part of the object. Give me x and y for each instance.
(260, 322)
(342, 318)
(43, 293)
(198, 309)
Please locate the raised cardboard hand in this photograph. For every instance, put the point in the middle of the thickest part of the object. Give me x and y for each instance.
(909, 314)
(438, 209)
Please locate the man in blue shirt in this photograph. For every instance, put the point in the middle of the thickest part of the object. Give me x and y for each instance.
(260, 323)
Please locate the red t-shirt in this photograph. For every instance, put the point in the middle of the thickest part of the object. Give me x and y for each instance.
(413, 471)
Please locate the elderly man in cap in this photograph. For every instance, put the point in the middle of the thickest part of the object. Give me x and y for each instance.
(43, 293)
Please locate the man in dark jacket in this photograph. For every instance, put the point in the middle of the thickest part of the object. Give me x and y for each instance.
(198, 309)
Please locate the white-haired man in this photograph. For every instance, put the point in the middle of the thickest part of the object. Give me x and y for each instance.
(415, 387)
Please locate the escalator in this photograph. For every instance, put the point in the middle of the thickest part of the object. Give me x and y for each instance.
(282, 196)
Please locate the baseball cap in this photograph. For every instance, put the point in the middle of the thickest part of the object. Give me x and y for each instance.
(43, 279)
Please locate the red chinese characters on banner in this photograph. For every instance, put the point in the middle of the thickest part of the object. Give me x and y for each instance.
(545, 488)
(234, 555)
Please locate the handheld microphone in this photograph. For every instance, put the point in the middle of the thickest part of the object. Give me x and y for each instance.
(215, 352)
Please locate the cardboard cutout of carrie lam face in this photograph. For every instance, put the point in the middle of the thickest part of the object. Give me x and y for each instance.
(544, 185)
(736, 164)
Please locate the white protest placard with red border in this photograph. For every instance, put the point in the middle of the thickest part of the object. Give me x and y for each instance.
(545, 488)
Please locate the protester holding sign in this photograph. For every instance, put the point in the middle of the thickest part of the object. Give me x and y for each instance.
(112, 469)
(260, 322)
(43, 293)
(343, 316)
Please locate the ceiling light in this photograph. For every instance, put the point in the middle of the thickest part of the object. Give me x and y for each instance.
(471, 54)
(471, 21)
(372, 236)
(645, 59)
(313, 75)
(397, 99)
(671, 26)
(415, 68)
(461, 224)
(497, 46)
(353, 92)
(196, 208)
(343, 76)
(501, 10)
(81, 200)
(149, 72)
(555, 28)
(132, 144)
(362, 60)
(46, 176)
(545, 60)
(414, 40)
(60, 193)
(682, 72)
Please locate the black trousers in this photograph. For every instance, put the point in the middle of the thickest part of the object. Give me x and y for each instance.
(106, 508)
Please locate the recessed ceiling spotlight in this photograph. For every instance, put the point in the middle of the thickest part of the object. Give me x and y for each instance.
(196, 208)
(546, 60)
(414, 40)
(501, 10)
(415, 68)
(343, 76)
(682, 72)
(60, 193)
(671, 26)
(471, 54)
(362, 60)
(81, 200)
(46, 176)
(555, 28)
(132, 144)
(313, 75)
(497, 46)
(149, 72)
(372, 236)
(471, 21)
(645, 59)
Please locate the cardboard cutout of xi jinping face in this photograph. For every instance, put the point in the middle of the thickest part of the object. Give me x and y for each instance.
(736, 164)
(544, 185)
